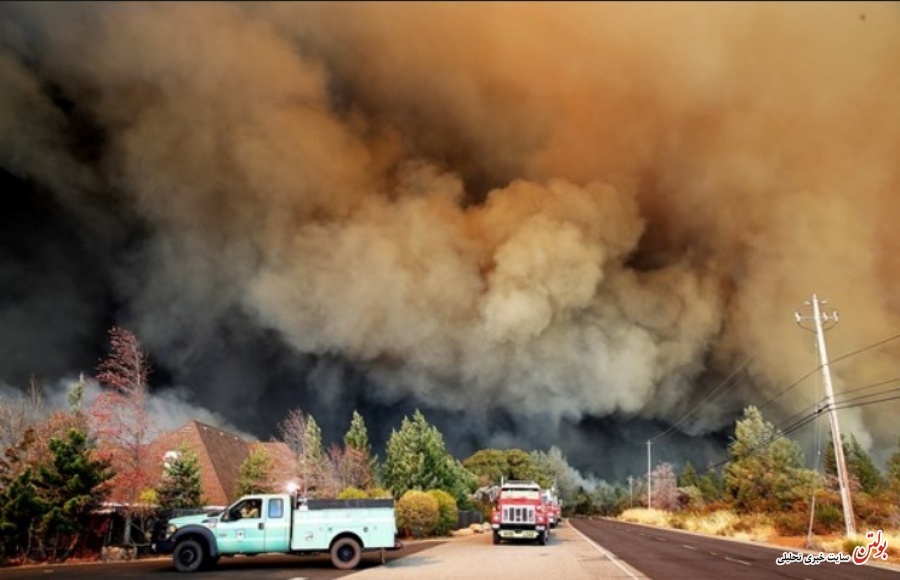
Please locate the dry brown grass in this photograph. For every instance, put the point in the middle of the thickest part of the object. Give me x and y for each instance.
(757, 528)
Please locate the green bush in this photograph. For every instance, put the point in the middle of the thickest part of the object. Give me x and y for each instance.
(448, 514)
(352, 493)
(829, 519)
(417, 513)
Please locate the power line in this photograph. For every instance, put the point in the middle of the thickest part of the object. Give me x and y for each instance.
(869, 386)
(800, 423)
(668, 431)
(818, 368)
(871, 346)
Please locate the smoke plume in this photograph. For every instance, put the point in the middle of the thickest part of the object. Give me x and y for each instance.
(540, 223)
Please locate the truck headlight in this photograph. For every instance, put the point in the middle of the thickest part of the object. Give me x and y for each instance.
(171, 529)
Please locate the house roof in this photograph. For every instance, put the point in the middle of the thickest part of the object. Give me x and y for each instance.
(221, 455)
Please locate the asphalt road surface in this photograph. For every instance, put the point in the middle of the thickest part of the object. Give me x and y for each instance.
(673, 555)
(567, 555)
(266, 567)
(581, 549)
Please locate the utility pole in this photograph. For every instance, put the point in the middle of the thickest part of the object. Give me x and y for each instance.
(649, 478)
(818, 317)
(631, 490)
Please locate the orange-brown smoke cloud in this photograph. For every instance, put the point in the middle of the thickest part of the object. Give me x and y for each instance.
(582, 209)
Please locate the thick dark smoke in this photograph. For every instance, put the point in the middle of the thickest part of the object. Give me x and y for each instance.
(540, 223)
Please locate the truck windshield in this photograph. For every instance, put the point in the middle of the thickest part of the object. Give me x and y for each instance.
(520, 494)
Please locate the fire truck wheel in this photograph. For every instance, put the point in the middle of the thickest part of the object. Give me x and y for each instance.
(542, 538)
(496, 538)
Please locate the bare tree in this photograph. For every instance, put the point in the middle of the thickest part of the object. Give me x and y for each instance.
(121, 423)
(293, 431)
(302, 435)
(17, 414)
(665, 487)
(349, 467)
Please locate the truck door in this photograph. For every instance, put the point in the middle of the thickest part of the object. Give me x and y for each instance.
(277, 525)
(241, 530)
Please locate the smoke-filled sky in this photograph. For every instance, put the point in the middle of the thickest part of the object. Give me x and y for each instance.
(540, 223)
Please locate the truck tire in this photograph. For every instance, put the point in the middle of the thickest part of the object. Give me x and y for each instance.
(542, 538)
(188, 556)
(496, 538)
(346, 554)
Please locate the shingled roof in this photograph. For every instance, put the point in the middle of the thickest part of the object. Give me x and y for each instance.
(221, 454)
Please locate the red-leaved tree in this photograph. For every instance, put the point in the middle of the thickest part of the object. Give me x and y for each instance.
(121, 424)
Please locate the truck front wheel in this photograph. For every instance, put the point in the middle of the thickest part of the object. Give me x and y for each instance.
(188, 556)
(542, 538)
(496, 538)
(346, 554)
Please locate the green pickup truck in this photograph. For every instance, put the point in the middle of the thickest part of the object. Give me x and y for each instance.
(280, 523)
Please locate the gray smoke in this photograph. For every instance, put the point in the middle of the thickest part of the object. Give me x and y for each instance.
(544, 223)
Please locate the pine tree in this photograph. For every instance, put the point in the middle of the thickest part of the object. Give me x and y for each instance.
(688, 477)
(313, 463)
(765, 472)
(893, 471)
(357, 437)
(255, 474)
(20, 510)
(357, 467)
(861, 470)
(180, 487)
(711, 486)
(417, 459)
(70, 487)
(554, 470)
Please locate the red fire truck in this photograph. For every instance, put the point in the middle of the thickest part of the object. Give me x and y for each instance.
(520, 513)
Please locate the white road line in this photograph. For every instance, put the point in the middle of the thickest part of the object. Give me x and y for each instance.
(744, 562)
(688, 547)
(606, 553)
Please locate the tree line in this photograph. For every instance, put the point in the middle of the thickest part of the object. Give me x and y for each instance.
(765, 474)
(58, 469)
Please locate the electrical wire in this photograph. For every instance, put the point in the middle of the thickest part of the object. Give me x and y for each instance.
(703, 401)
(800, 423)
(818, 368)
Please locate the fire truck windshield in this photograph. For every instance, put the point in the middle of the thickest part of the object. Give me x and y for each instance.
(520, 494)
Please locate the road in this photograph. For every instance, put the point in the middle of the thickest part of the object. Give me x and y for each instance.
(268, 567)
(567, 555)
(581, 549)
(672, 555)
